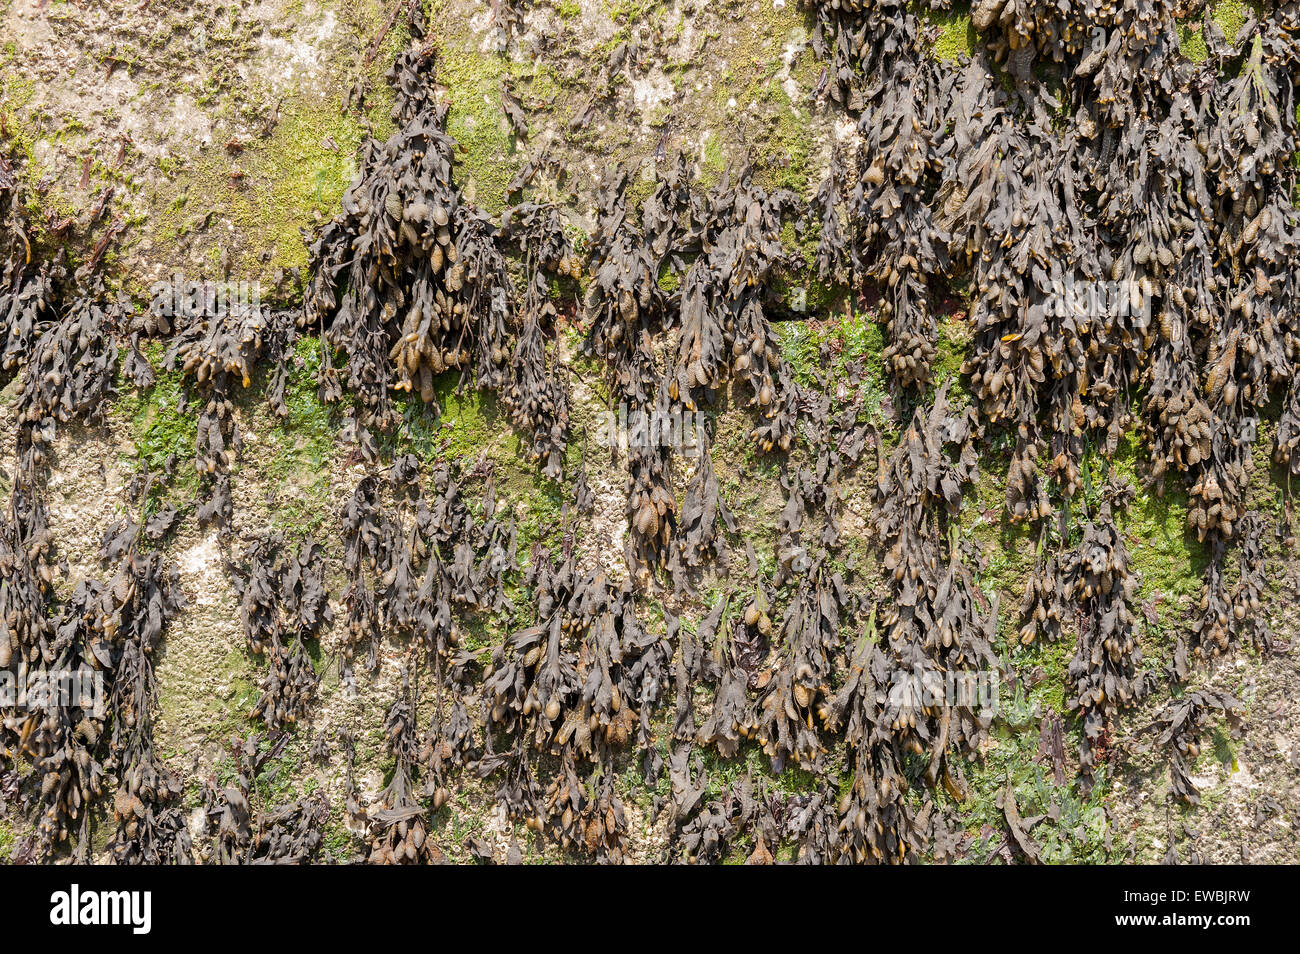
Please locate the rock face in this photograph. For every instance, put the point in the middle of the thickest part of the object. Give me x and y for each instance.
(374, 539)
(225, 130)
(217, 128)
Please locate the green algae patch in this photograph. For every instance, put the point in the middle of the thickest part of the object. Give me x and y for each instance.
(487, 155)
(22, 129)
(848, 337)
(471, 427)
(1081, 835)
(303, 446)
(185, 707)
(1191, 42)
(265, 198)
(252, 204)
(297, 181)
(786, 160)
(158, 426)
(956, 33)
(751, 94)
(488, 152)
(308, 420)
(1162, 549)
(1230, 15)
(951, 352)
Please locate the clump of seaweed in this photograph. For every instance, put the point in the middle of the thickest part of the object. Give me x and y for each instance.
(69, 375)
(244, 827)
(387, 277)
(1046, 603)
(217, 349)
(27, 284)
(284, 604)
(534, 390)
(1121, 224)
(399, 832)
(409, 567)
(1181, 725)
(1104, 670)
(152, 827)
(933, 622)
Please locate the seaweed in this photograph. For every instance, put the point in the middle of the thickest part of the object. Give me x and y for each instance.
(1104, 671)
(283, 604)
(1181, 725)
(244, 827)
